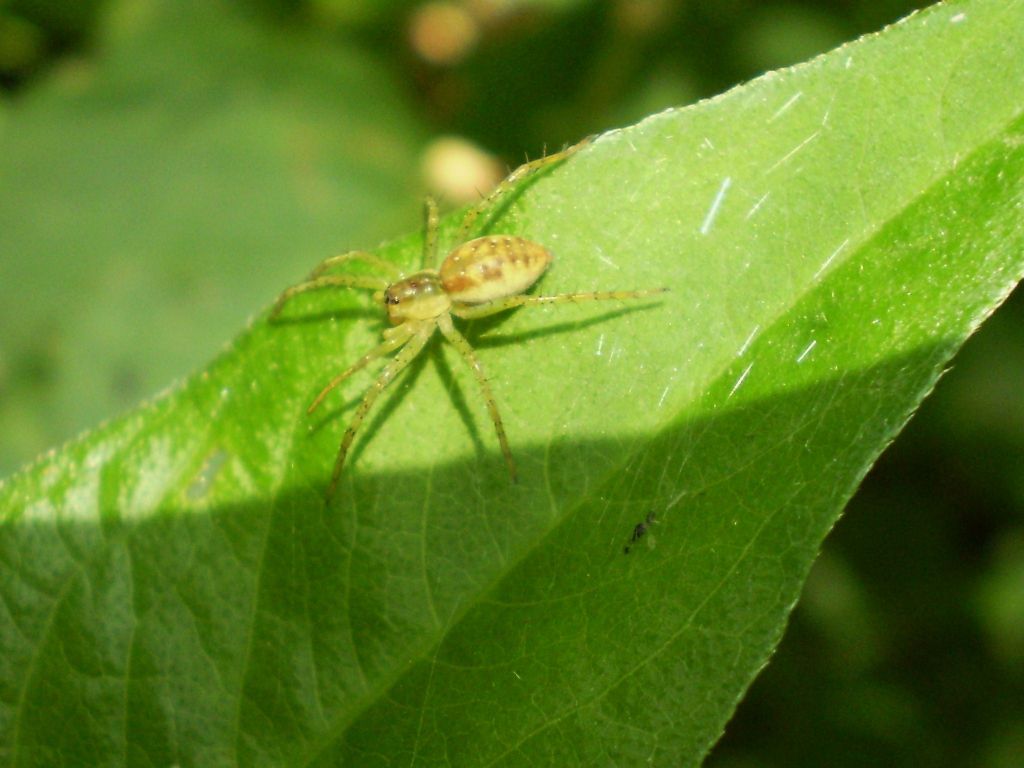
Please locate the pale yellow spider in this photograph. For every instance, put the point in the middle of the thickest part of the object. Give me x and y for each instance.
(478, 278)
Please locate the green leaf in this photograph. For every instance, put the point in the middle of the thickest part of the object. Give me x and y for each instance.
(175, 589)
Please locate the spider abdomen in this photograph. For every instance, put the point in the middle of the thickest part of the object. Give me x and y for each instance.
(492, 267)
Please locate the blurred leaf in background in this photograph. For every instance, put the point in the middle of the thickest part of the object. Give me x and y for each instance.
(157, 193)
(166, 168)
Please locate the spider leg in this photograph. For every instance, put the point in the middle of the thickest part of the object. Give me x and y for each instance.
(458, 341)
(510, 181)
(430, 233)
(401, 336)
(328, 281)
(471, 312)
(419, 337)
(381, 265)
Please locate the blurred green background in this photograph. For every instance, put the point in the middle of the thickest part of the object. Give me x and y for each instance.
(167, 167)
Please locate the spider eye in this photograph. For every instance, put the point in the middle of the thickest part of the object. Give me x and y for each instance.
(390, 298)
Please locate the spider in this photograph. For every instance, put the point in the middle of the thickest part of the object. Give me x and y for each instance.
(478, 278)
